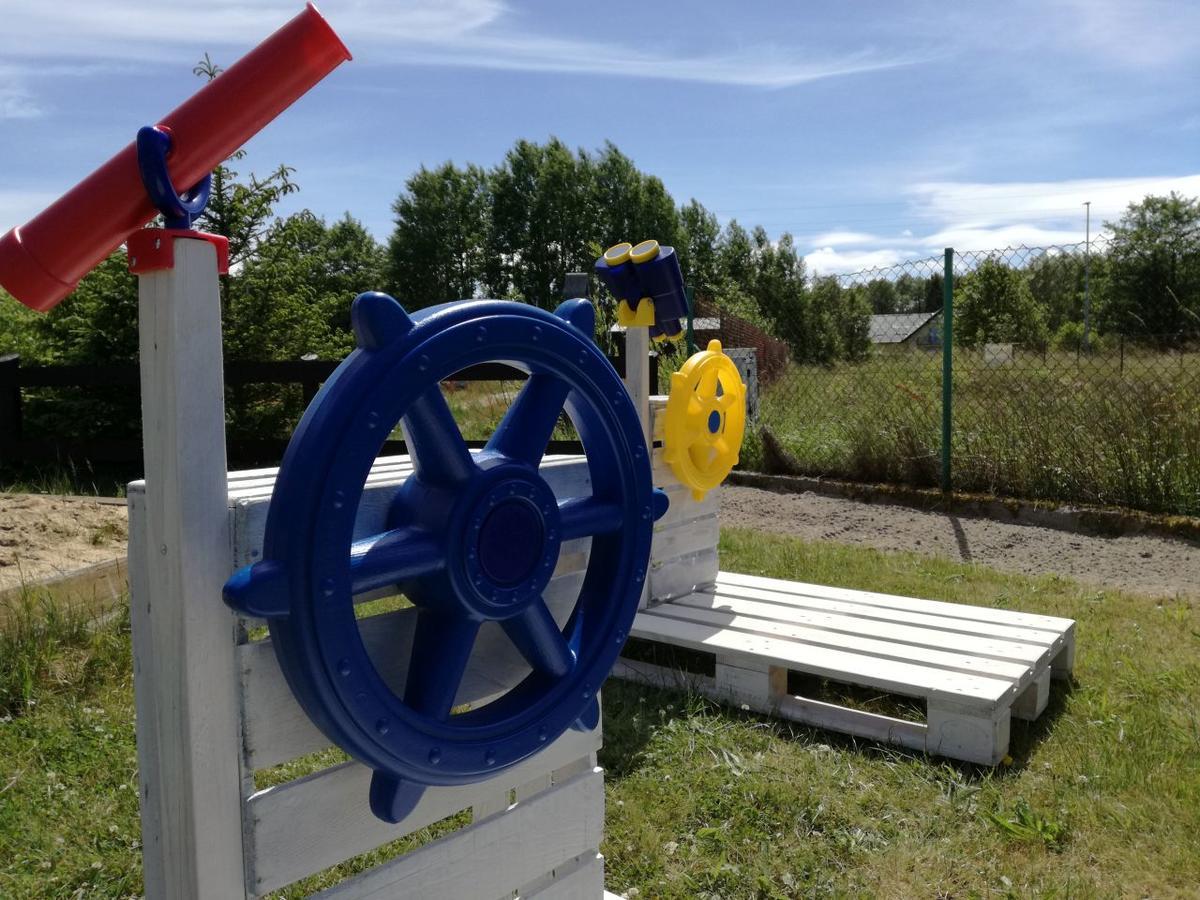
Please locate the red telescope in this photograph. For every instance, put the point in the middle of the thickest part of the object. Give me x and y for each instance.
(41, 262)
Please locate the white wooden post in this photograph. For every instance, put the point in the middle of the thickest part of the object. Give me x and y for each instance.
(185, 676)
(637, 382)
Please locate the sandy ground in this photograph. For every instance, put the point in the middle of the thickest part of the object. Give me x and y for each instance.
(1146, 565)
(45, 536)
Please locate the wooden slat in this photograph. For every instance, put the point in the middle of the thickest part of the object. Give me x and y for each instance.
(888, 675)
(583, 880)
(684, 538)
(307, 825)
(1014, 651)
(276, 729)
(489, 859)
(793, 603)
(912, 604)
(566, 476)
(185, 678)
(683, 574)
(883, 649)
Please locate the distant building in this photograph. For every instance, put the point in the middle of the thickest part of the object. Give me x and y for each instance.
(907, 329)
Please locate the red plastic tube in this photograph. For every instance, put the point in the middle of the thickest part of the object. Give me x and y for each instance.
(41, 262)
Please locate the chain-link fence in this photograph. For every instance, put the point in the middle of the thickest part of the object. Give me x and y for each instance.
(1072, 376)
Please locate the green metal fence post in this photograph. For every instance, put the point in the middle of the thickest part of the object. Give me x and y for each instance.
(947, 364)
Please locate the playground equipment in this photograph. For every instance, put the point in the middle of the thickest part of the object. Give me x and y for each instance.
(705, 420)
(471, 539)
(648, 285)
(525, 574)
(42, 261)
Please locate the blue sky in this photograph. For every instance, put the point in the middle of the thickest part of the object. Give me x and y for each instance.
(872, 131)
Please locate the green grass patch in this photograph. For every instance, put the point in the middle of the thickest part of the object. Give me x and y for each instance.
(1110, 429)
(1102, 797)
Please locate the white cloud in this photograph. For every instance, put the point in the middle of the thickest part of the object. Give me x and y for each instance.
(462, 33)
(986, 216)
(838, 238)
(988, 205)
(15, 99)
(829, 261)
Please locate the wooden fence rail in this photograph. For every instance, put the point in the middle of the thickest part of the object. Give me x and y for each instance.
(16, 447)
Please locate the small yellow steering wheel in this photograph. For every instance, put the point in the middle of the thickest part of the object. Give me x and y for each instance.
(705, 420)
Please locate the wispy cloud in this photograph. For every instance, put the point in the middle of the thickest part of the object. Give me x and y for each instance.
(982, 216)
(483, 34)
(15, 100)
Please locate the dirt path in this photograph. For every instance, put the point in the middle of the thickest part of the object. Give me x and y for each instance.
(42, 536)
(1138, 563)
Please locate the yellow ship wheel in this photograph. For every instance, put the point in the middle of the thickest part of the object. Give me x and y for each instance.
(705, 420)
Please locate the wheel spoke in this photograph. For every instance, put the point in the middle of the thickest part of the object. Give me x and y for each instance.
(535, 634)
(583, 516)
(391, 557)
(708, 382)
(727, 401)
(439, 453)
(441, 649)
(527, 426)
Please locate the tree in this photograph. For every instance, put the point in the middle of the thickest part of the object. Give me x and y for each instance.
(993, 304)
(697, 247)
(436, 252)
(881, 296)
(541, 224)
(1153, 269)
(1056, 282)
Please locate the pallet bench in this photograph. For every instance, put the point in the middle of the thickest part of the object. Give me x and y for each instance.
(974, 667)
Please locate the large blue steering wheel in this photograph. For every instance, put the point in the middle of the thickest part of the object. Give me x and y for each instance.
(472, 538)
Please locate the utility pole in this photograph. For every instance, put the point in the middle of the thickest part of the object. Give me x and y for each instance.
(1087, 279)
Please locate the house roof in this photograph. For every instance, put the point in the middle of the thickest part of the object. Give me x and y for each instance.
(895, 328)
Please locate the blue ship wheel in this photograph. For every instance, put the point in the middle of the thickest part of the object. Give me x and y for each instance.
(472, 538)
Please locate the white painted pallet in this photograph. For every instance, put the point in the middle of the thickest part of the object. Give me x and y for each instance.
(974, 667)
(536, 828)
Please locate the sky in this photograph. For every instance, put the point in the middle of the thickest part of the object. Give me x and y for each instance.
(873, 132)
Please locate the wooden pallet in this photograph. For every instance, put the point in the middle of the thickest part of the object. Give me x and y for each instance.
(974, 667)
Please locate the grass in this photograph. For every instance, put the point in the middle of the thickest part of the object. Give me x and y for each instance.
(1102, 797)
(1108, 429)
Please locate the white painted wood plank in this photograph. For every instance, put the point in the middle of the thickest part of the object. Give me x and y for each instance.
(685, 538)
(912, 604)
(488, 859)
(257, 484)
(584, 880)
(1033, 698)
(857, 722)
(789, 604)
(307, 825)
(979, 739)
(884, 649)
(186, 684)
(888, 675)
(277, 729)
(684, 574)
(683, 508)
(975, 645)
(565, 476)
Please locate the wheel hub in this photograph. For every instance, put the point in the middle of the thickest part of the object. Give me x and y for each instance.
(511, 547)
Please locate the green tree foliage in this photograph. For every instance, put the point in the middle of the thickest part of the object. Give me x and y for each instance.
(1152, 286)
(699, 233)
(882, 296)
(1057, 284)
(437, 250)
(540, 227)
(993, 304)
